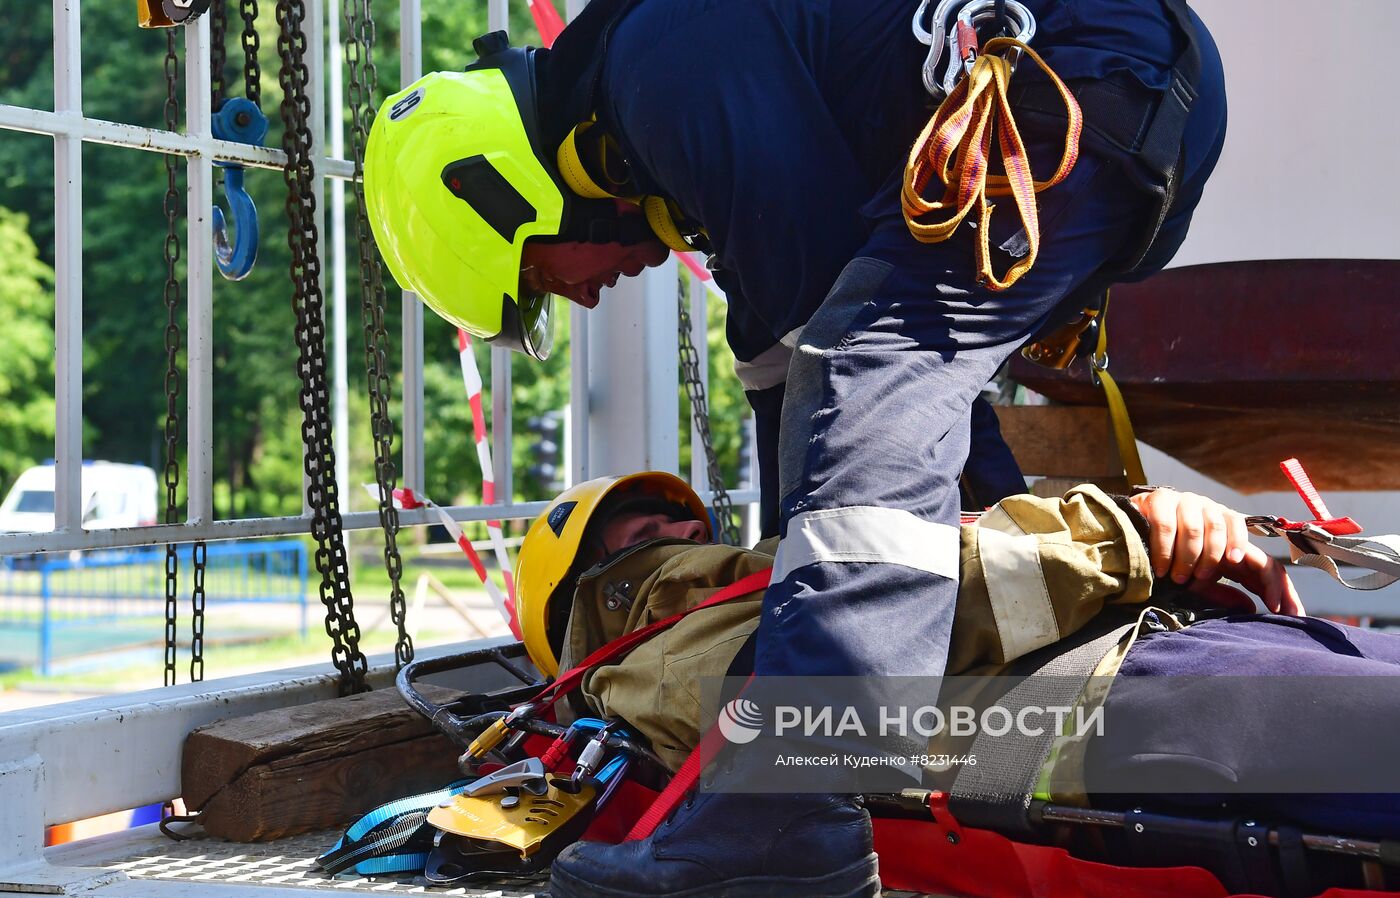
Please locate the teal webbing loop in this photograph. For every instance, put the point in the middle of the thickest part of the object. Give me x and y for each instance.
(386, 828)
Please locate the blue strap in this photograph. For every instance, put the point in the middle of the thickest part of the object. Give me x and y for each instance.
(384, 829)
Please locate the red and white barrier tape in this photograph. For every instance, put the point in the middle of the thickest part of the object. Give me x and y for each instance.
(406, 499)
(471, 378)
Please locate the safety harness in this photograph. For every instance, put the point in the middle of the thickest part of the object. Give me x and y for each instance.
(1146, 128)
(515, 817)
(472, 828)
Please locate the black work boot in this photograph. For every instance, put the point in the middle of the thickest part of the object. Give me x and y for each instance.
(726, 845)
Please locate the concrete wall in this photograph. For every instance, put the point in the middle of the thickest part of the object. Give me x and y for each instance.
(1308, 166)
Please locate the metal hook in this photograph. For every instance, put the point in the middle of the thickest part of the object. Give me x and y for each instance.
(239, 120)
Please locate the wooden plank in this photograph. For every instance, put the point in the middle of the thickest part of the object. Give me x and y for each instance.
(1061, 441)
(315, 766)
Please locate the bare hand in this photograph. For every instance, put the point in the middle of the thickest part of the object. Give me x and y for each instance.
(1197, 540)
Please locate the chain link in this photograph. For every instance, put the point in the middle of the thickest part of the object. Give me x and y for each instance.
(199, 557)
(361, 77)
(252, 72)
(309, 305)
(172, 360)
(699, 409)
(218, 29)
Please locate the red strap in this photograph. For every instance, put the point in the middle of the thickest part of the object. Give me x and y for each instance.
(1293, 470)
(684, 780)
(625, 643)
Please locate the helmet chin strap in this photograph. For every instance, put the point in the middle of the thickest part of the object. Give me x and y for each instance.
(594, 169)
(601, 222)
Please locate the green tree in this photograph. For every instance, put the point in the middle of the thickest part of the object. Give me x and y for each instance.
(256, 418)
(26, 349)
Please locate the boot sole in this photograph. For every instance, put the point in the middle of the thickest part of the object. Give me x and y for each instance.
(860, 880)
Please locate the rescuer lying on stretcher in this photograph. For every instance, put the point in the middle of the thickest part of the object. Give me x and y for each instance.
(615, 554)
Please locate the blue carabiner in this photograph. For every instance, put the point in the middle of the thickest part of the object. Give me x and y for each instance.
(238, 120)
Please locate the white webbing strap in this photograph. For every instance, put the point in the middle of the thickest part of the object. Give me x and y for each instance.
(1379, 554)
(864, 533)
(1310, 545)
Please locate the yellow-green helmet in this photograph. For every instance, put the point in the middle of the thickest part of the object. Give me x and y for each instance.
(455, 183)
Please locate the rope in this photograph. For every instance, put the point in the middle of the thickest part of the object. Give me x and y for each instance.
(956, 147)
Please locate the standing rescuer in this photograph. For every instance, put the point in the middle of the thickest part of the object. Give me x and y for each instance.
(775, 135)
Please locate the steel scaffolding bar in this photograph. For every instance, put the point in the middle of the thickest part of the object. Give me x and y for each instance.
(68, 271)
(414, 453)
(199, 281)
(69, 123)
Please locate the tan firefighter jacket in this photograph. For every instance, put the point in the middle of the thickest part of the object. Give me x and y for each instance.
(1033, 571)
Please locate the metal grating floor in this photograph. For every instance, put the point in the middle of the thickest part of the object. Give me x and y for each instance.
(288, 863)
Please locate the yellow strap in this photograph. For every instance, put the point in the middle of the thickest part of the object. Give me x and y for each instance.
(1117, 408)
(662, 220)
(660, 213)
(575, 172)
(956, 146)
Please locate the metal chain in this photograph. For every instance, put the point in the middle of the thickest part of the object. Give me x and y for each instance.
(172, 363)
(252, 72)
(199, 557)
(699, 409)
(218, 29)
(361, 78)
(309, 306)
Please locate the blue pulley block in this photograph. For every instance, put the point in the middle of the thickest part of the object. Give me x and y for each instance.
(239, 120)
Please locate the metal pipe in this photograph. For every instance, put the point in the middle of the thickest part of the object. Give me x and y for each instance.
(1330, 844)
(579, 395)
(498, 15)
(414, 454)
(128, 537)
(699, 469)
(199, 395)
(580, 384)
(68, 271)
(498, 19)
(340, 347)
(69, 123)
(502, 426)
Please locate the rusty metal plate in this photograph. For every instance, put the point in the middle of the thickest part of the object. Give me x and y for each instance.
(1232, 367)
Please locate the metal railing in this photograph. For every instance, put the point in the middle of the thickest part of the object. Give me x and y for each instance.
(112, 600)
(618, 386)
(624, 407)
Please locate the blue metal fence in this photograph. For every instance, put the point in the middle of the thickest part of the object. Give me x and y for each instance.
(98, 591)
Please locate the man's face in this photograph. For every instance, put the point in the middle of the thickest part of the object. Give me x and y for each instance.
(579, 271)
(630, 528)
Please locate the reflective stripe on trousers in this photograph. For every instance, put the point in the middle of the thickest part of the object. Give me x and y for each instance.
(876, 416)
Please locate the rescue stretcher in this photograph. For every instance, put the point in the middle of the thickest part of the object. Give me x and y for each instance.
(1057, 851)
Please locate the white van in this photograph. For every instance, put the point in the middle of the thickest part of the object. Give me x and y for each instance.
(114, 495)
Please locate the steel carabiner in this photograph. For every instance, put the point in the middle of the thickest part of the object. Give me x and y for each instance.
(239, 120)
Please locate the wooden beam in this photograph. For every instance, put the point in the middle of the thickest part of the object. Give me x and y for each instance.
(1061, 441)
(295, 770)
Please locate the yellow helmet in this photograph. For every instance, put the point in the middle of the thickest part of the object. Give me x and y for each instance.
(458, 175)
(550, 558)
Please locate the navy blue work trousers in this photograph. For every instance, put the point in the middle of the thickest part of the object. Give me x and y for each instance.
(1328, 696)
(876, 420)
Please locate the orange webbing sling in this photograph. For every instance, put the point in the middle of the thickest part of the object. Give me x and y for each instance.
(956, 146)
